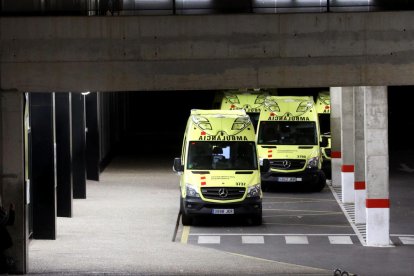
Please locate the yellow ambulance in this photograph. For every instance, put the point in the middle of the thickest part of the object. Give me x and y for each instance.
(323, 107)
(250, 101)
(219, 168)
(288, 135)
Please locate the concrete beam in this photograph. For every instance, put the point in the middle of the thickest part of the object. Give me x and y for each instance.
(206, 52)
(12, 174)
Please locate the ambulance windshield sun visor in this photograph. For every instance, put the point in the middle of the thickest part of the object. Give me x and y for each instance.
(213, 155)
(287, 133)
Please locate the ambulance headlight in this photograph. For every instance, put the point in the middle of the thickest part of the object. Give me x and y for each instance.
(191, 190)
(304, 106)
(313, 162)
(253, 191)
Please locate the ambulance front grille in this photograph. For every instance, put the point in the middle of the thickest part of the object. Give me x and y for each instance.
(287, 164)
(223, 193)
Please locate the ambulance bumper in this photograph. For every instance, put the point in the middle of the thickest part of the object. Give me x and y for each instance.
(197, 206)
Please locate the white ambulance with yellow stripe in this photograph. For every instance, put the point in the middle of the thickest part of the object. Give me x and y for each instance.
(288, 135)
(219, 169)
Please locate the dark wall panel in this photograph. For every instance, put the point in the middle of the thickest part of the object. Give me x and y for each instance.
(78, 146)
(92, 137)
(64, 154)
(43, 166)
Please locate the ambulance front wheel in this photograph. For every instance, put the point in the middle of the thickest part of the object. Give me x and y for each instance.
(257, 219)
(185, 219)
(320, 185)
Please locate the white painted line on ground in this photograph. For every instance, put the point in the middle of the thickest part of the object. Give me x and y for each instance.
(407, 240)
(253, 239)
(292, 210)
(401, 235)
(340, 240)
(339, 201)
(264, 234)
(303, 215)
(209, 239)
(296, 240)
(305, 198)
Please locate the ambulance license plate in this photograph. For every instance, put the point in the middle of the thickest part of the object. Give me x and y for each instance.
(223, 211)
(288, 179)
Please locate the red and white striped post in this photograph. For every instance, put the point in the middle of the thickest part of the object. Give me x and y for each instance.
(347, 145)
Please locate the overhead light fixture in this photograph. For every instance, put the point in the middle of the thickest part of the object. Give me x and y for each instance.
(86, 93)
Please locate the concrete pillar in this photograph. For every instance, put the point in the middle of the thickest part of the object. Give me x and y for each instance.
(347, 145)
(377, 166)
(64, 154)
(336, 160)
(43, 163)
(12, 185)
(360, 191)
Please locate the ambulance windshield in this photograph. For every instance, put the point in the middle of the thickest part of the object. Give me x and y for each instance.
(287, 133)
(215, 155)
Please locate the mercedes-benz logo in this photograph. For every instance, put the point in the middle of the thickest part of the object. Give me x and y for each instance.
(286, 164)
(223, 192)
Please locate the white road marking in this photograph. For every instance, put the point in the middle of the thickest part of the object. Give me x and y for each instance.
(253, 239)
(209, 239)
(296, 240)
(407, 240)
(340, 240)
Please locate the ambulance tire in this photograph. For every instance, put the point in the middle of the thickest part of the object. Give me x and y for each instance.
(186, 220)
(320, 185)
(257, 219)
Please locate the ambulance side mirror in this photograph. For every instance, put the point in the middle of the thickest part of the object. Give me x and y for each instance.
(324, 142)
(265, 165)
(178, 167)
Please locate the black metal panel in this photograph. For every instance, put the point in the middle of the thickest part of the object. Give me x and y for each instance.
(64, 154)
(43, 165)
(78, 146)
(92, 137)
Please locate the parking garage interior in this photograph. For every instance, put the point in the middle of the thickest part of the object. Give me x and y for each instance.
(104, 133)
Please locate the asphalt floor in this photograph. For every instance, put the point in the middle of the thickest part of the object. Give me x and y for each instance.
(126, 227)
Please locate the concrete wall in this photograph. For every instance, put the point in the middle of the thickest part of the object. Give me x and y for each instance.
(206, 52)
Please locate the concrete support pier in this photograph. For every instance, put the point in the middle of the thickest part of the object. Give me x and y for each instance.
(336, 160)
(347, 145)
(360, 190)
(377, 166)
(12, 186)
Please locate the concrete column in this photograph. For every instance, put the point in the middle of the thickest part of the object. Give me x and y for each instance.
(336, 160)
(347, 145)
(360, 191)
(377, 166)
(12, 185)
